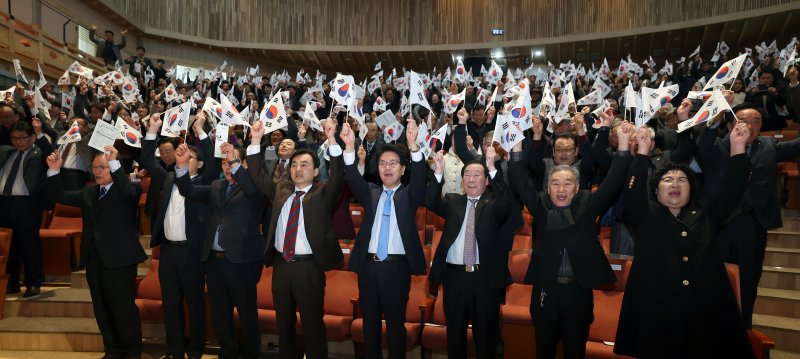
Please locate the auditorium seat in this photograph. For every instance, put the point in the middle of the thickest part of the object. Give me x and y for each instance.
(340, 288)
(266, 306)
(418, 312)
(527, 226)
(357, 213)
(522, 243)
(347, 248)
(148, 291)
(788, 184)
(607, 305)
(605, 239)
(61, 241)
(144, 219)
(420, 217)
(517, 330)
(5, 246)
(762, 344)
(432, 219)
(434, 334)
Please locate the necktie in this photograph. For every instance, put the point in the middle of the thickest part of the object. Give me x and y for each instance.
(386, 216)
(470, 254)
(290, 236)
(12, 175)
(369, 147)
(103, 192)
(282, 167)
(231, 187)
(66, 152)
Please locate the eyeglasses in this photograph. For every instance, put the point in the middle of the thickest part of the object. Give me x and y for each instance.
(99, 168)
(389, 164)
(671, 180)
(563, 149)
(20, 139)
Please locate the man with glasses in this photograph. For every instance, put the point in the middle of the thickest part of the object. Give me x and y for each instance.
(110, 248)
(566, 148)
(743, 240)
(21, 167)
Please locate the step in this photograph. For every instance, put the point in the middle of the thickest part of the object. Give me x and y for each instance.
(78, 279)
(782, 257)
(780, 354)
(36, 354)
(60, 333)
(778, 302)
(780, 278)
(144, 239)
(784, 331)
(53, 302)
(780, 238)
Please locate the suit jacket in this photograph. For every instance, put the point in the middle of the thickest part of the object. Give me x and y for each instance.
(196, 213)
(589, 262)
(406, 200)
(318, 207)
(101, 44)
(491, 213)
(371, 162)
(33, 167)
(765, 154)
(659, 306)
(109, 224)
(239, 215)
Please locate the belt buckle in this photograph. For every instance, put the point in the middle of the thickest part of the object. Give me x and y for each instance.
(469, 269)
(375, 258)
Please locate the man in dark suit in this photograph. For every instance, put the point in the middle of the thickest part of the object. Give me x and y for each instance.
(77, 157)
(387, 249)
(470, 260)
(233, 247)
(110, 248)
(300, 251)
(373, 144)
(179, 228)
(743, 240)
(567, 261)
(21, 174)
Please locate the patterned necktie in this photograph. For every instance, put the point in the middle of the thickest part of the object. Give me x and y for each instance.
(386, 216)
(12, 175)
(103, 192)
(470, 254)
(231, 187)
(290, 236)
(282, 167)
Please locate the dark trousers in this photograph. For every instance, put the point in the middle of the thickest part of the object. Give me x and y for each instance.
(744, 241)
(182, 276)
(113, 292)
(466, 302)
(299, 285)
(383, 292)
(234, 285)
(563, 313)
(24, 217)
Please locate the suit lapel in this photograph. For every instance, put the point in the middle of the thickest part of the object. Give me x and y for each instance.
(225, 195)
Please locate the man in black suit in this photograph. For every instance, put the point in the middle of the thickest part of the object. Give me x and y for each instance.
(180, 229)
(110, 248)
(743, 240)
(21, 174)
(300, 251)
(373, 144)
(567, 261)
(387, 249)
(470, 262)
(233, 247)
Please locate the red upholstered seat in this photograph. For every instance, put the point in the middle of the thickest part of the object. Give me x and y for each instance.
(61, 241)
(434, 334)
(603, 330)
(148, 293)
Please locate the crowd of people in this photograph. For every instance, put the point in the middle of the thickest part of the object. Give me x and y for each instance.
(682, 204)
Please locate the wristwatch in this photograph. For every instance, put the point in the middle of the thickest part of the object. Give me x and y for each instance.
(234, 161)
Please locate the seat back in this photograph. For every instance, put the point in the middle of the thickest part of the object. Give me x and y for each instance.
(522, 242)
(339, 288)
(527, 225)
(434, 220)
(264, 290)
(357, 214)
(5, 246)
(66, 217)
(150, 286)
(438, 309)
(519, 295)
(421, 213)
(417, 294)
(733, 276)
(518, 265)
(607, 305)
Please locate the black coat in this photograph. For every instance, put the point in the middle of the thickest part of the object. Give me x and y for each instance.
(678, 290)
(589, 262)
(491, 213)
(109, 224)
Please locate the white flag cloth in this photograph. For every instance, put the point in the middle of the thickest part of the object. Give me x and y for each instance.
(521, 113)
(630, 96)
(393, 132)
(494, 73)
(18, 71)
(405, 107)
(491, 101)
(343, 89)
(42, 81)
(170, 93)
(373, 85)
(423, 136)
(417, 95)
(715, 105)
(42, 105)
(129, 91)
(80, 70)
(548, 99)
(695, 52)
(310, 118)
(506, 133)
(592, 98)
(130, 136)
(726, 73)
(355, 111)
(64, 80)
(176, 119)
(274, 114)
(213, 108)
(451, 105)
(567, 98)
(72, 135)
(67, 99)
(461, 72)
(602, 86)
(377, 67)
(437, 137)
(230, 115)
(385, 120)
(379, 104)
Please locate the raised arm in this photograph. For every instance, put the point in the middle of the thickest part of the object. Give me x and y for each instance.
(612, 185)
(460, 138)
(55, 183)
(433, 199)
(535, 151)
(121, 179)
(635, 199)
(736, 177)
(211, 164)
(335, 185)
(149, 145)
(260, 177)
(520, 179)
(358, 186)
(200, 193)
(416, 186)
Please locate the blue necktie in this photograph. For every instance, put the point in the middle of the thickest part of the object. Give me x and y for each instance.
(386, 217)
(231, 187)
(103, 191)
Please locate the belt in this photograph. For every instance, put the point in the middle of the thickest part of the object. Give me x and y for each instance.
(218, 254)
(298, 257)
(565, 280)
(466, 268)
(178, 243)
(389, 257)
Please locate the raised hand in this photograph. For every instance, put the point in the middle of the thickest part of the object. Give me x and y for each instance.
(362, 154)
(54, 161)
(37, 126)
(301, 131)
(411, 134)
(347, 135)
(330, 131)
(624, 132)
(607, 116)
(182, 156)
(438, 159)
(491, 157)
(644, 141)
(462, 116)
(199, 121)
(228, 150)
(739, 136)
(490, 114)
(154, 124)
(538, 128)
(470, 143)
(683, 110)
(578, 124)
(257, 132)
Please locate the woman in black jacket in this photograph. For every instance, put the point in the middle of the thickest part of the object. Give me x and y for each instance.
(678, 301)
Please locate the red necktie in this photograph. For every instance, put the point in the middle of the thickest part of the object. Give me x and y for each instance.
(290, 236)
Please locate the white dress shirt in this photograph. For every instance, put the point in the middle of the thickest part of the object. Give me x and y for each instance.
(301, 245)
(175, 218)
(455, 255)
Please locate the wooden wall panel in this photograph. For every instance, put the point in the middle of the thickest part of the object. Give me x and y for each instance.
(413, 22)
